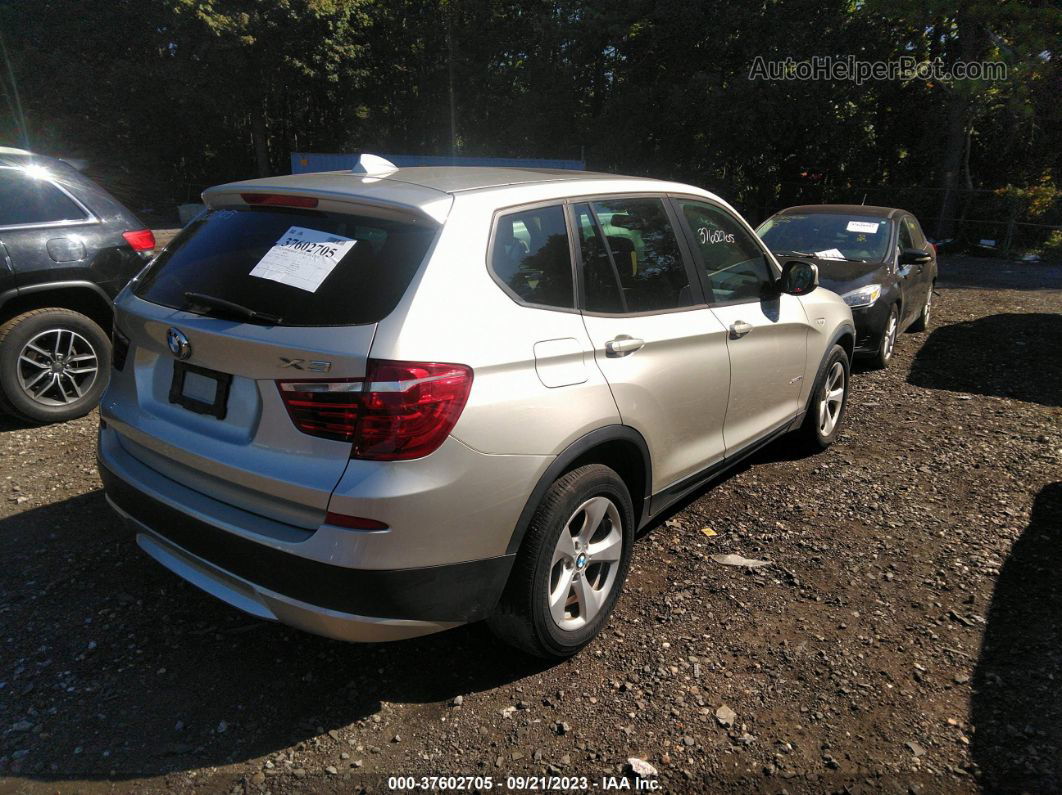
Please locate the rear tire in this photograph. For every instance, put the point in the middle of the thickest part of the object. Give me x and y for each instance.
(822, 424)
(571, 566)
(54, 365)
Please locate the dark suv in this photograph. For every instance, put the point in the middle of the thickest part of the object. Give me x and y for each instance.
(66, 248)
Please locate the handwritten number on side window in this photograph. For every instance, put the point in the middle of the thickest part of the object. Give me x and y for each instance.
(712, 236)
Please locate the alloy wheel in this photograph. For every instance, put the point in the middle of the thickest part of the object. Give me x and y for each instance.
(889, 343)
(832, 399)
(585, 563)
(57, 367)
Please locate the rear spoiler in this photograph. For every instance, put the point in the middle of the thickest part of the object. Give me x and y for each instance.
(394, 200)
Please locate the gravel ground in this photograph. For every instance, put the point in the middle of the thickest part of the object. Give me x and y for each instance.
(906, 635)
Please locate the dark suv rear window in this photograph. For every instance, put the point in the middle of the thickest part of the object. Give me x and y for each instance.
(29, 199)
(215, 254)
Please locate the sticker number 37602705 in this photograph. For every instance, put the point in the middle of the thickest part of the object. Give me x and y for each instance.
(303, 258)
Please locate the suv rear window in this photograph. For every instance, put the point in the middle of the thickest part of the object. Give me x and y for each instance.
(25, 199)
(215, 254)
(531, 256)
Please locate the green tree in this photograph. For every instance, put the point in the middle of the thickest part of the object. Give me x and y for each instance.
(269, 61)
(1020, 34)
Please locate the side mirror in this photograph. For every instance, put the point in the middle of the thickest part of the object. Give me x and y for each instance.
(915, 256)
(799, 278)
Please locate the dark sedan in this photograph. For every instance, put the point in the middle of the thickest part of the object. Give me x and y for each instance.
(876, 258)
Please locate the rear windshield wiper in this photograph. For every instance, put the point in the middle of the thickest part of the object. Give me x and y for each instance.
(241, 311)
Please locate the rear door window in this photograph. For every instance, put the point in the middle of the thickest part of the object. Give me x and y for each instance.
(215, 255)
(601, 285)
(631, 257)
(530, 256)
(26, 199)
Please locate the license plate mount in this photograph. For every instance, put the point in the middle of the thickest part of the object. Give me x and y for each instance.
(201, 390)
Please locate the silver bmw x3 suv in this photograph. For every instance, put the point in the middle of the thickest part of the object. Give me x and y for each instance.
(382, 403)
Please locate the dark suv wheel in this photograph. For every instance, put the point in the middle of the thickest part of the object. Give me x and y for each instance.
(571, 566)
(54, 365)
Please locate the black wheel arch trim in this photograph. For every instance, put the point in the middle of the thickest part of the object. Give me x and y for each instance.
(842, 330)
(572, 453)
(835, 340)
(30, 289)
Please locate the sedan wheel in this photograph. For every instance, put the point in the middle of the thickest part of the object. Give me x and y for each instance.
(922, 321)
(887, 345)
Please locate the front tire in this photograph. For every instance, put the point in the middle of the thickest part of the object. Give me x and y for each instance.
(829, 400)
(571, 566)
(54, 365)
(922, 321)
(887, 344)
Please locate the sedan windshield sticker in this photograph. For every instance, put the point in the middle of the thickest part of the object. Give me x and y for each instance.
(863, 226)
(303, 258)
(830, 253)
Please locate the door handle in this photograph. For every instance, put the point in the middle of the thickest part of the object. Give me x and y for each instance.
(623, 345)
(739, 328)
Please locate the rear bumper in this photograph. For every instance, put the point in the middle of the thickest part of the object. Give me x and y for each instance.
(269, 582)
(269, 605)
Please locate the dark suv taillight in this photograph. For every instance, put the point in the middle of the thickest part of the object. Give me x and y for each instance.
(400, 410)
(142, 241)
(119, 348)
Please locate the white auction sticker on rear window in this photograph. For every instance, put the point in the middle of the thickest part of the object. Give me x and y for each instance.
(863, 226)
(303, 258)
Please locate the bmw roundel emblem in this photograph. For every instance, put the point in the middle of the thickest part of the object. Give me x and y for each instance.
(178, 343)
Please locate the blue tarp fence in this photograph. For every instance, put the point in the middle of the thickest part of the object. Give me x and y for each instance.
(308, 162)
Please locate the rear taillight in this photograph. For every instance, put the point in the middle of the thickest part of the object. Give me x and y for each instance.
(400, 410)
(278, 200)
(141, 240)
